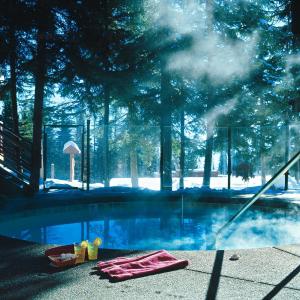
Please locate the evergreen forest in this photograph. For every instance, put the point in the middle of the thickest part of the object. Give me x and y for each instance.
(172, 88)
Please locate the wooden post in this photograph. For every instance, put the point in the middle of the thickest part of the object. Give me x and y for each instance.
(71, 148)
(72, 165)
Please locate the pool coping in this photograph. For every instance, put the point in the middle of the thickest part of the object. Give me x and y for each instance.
(78, 197)
(258, 274)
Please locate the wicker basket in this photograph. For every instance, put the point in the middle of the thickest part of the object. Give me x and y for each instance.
(61, 263)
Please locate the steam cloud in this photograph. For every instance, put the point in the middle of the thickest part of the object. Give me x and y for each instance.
(212, 55)
(261, 230)
(292, 61)
(212, 115)
(215, 58)
(256, 229)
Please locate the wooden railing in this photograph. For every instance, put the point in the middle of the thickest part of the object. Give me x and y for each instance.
(15, 154)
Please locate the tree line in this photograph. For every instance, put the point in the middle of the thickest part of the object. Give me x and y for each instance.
(183, 67)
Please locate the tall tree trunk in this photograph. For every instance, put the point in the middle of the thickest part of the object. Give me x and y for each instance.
(106, 136)
(223, 163)
(166, 133)
(263, 168)
(134, 168)
(1, 142)
(40, 80)
(79, 121)
(262, 158)
(133, 145)
(106, 101)
(13, 81)
(209, 133)
(182, 150)
(209, 15)
(297, 171)
(13, 78)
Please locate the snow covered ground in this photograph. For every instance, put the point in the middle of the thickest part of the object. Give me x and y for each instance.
(219, 182)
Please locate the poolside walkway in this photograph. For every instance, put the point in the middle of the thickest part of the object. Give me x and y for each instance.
(269, 273)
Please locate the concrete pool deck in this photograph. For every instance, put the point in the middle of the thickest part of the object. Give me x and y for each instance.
(266, 273)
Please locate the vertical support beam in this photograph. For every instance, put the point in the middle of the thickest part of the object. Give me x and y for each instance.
(229, 146)
(106, 232)
(94, 159)
(287, 153)
(88, 146)
(82, 230)
(72, 167)
(82, 157)
(182, 151)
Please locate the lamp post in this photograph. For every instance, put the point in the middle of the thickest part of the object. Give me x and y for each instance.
(72, 149)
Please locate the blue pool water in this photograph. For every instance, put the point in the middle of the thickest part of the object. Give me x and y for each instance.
(172, 226)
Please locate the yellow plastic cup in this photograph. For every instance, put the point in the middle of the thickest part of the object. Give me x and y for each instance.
(80, 252)
(92, 251)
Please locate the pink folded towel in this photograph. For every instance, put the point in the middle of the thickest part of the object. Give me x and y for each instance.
(123, 268)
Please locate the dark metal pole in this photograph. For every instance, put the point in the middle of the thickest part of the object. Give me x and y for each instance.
(287, 154)
(161, 162)
(88, 124)
(82, 157)
(88, 230)
(229, 139)
(45, 157)
(182, 151)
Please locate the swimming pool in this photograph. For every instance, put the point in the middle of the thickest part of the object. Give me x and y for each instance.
(176, 225)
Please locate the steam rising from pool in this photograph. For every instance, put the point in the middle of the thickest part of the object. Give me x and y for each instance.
(253, 231)
(261, 230)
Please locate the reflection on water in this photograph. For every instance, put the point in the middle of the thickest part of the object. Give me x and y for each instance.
(178, 227)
